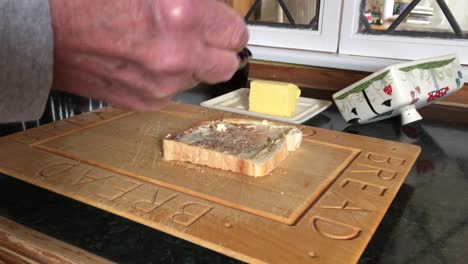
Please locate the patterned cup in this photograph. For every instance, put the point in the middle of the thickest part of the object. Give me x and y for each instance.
(400, 90)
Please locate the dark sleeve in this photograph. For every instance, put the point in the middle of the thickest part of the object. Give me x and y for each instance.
(26, 59)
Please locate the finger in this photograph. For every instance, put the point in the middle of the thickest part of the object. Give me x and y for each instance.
(171, 56)
(133, 86)
(121, 83)
(170, 85)
(131, 96)
(177, 15)
(88, 84)
(216, 65)
(153, 87)
(222, 27)
(137, 104)
(156, 105)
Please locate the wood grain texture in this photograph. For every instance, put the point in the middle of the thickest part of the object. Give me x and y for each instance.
(325, 79)
(138, 141)
(19, 244)
(114, 164)
(305, 76)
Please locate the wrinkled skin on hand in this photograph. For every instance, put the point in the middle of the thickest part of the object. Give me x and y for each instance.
(137, 54)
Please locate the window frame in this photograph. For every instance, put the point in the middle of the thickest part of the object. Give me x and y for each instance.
(344, 50)
(325, 39)
(392, 46)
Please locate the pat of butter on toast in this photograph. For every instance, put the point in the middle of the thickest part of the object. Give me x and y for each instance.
(250, 147)
(273, 98)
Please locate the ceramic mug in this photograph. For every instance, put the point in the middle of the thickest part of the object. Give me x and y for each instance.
(400, 90)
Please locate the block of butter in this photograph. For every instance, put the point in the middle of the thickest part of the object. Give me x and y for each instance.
(273, 98)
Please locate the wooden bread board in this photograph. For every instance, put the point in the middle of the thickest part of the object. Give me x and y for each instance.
(321, 205)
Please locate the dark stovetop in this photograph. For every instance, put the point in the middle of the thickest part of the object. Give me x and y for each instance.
(426, 223)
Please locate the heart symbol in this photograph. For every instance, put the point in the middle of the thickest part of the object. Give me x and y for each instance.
(388, 89)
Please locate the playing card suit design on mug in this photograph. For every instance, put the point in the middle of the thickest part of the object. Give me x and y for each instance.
(434, 95)
(388, 89)
(400, 90)
(414, 96)
(361, 89)
(387, 103)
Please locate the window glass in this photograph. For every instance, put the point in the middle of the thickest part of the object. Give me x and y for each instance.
(302, 14)
(418, 18)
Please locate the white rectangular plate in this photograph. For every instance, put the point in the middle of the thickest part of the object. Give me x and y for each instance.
(238, 102)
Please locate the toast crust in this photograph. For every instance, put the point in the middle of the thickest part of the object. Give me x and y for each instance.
(240, 145)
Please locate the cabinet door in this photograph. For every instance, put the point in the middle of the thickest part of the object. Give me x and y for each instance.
(291, 24)
(405, 29)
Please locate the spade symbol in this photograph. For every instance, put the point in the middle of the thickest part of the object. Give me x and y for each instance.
(418, 89)
(354, 111)
(387, 103)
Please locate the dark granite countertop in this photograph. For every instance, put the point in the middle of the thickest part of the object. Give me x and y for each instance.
(426, 223)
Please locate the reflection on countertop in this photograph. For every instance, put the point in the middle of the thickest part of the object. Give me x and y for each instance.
(426, 223)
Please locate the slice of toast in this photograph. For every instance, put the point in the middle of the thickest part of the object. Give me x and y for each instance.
(246, 146)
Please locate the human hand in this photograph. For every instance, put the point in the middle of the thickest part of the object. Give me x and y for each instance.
(137, 54)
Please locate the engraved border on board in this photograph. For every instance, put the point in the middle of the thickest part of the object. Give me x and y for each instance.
(293, 217)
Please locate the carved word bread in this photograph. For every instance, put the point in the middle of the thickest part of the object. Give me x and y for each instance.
(249, 147)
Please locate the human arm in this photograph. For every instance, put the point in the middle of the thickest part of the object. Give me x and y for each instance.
(138, 54)
(132, 54)
(26, 59)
